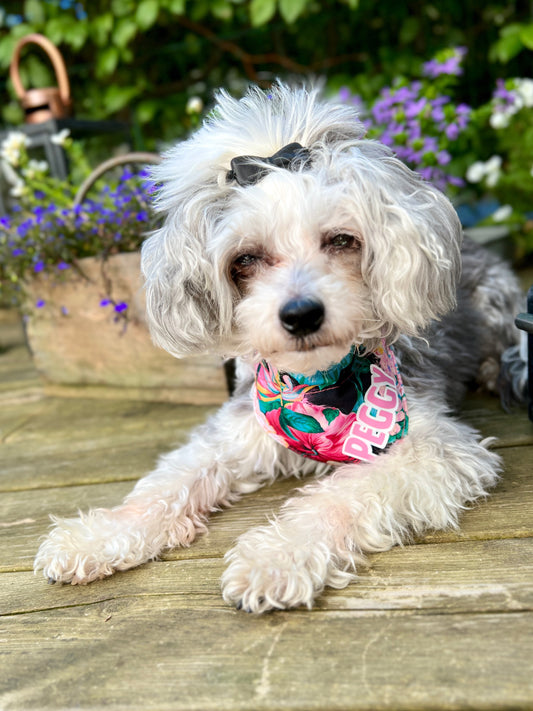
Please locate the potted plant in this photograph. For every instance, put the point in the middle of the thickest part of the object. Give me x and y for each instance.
(69, 259)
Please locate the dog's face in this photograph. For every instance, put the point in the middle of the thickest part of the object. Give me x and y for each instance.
(350, 248)
(295, 268)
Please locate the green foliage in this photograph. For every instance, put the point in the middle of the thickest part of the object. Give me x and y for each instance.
(141, 60)
(513, 39)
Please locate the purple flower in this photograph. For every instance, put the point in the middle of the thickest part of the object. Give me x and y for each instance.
(63, 265)
(443, 157)
(40, 303)
(5, 222)
(437, 113)
(122, 306)
(39, 195)
(414, 108)
(449, 65)
(105, 302)
(457, 182)
(150, 187)
(345, 94)
(39, 266)
(24, 227)
(64, 311)
(452, 131)
(505, 96)
(18, 252)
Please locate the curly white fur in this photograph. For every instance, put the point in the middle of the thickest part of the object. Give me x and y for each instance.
(218, 274)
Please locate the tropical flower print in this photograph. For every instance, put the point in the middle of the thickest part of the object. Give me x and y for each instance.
(357, 405)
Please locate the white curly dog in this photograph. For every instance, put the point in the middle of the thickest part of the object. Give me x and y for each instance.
(336, 277)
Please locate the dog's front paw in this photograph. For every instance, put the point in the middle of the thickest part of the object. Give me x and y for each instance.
(71, 553)
(80, 550)
(267, 571)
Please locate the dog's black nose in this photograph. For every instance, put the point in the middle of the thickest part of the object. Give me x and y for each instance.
(301, 317)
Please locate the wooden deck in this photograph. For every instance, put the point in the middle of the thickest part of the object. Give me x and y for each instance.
(443, 624)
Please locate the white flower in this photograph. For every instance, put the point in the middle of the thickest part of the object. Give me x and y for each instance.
(476, 172)
(524, 88)
(489, 171)
(12, 146)
(494, 163)
(500, 119)
(60, 138)
(19, 189)
(502, 213)
(195, 105)
(493, 170)
(35, 168)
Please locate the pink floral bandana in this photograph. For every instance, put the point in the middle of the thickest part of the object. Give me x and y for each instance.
(349, 413)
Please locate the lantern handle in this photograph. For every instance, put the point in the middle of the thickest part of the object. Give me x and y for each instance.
(54, 55)
(125, 159)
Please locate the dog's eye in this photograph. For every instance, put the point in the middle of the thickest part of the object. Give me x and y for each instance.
(340, 241)
(244, 265)
(245, 260)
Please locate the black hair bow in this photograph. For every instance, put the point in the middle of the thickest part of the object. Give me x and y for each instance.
(247, 170)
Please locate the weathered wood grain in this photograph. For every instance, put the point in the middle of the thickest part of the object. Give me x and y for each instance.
(11, 331)
(90, 423)
(479, 576)
(19, 381)
(66, 442)
(146, 653)
(486, 414)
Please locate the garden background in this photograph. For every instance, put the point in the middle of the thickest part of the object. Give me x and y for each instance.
(446, 84)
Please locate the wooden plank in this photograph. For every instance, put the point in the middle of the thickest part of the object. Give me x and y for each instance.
(69, 442)
(507, 513)
(19, 381)
(91, 423)
(154, 653)
(477, 576)
(443, 625)
(11, 330)
(485, 413)
(73, 467)
(14, 417)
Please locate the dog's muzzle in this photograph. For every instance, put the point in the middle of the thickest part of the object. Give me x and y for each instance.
(300, 317)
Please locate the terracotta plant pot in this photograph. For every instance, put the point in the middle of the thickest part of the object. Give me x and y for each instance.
(75, 340)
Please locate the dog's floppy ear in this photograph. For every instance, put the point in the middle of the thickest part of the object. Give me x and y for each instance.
(189, 302)
(412, 255)
(180, 301)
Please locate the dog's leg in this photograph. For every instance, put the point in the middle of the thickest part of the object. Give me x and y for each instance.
(227, 456)
(421, 482)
